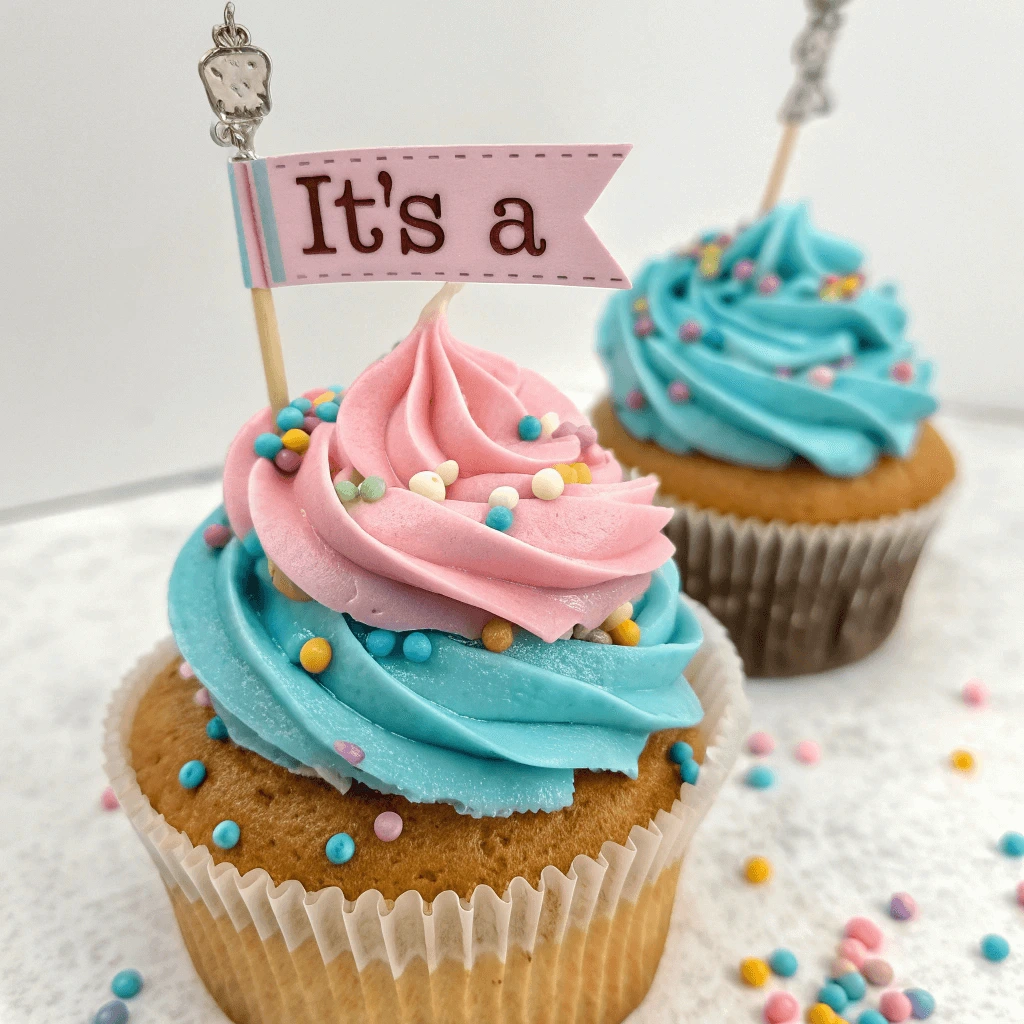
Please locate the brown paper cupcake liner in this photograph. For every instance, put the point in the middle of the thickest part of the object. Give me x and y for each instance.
(582, 946)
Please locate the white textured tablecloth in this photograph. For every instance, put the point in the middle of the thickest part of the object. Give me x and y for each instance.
(83, 594)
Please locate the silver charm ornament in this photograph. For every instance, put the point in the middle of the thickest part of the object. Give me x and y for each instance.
(236, 76)
(810, 95)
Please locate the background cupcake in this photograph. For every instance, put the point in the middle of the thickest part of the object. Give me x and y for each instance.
(775, 393)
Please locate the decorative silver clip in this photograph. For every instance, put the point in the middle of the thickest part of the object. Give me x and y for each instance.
(236, 76)
(810, 96)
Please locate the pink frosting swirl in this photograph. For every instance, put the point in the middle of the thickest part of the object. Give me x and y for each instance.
(407, 562)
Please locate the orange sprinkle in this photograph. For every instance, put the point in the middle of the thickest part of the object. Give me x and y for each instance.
(327, 396)
(962, 760)
(497, 635)
(566, 472)
(625, 634)
(295, 440)
(582, 473)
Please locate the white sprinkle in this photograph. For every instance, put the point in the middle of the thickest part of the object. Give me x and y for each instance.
(507, 496)
(448, 472)
(430, 485)
(548, 484)
(549, 423)
(617, 617)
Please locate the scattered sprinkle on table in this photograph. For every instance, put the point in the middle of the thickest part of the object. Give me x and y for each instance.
(387, 826)
(781, 1008)
(108, 799)
(114, 1012)
(821, 1013)
(754, 972)
(853, 950)
(865, 931)
(1020, 893)
(962, 760)
(226, 834)
(975, 693)
(191, 774)
(759, 776)
(126, 984)
(922, 1003)
(316, 654)
(839, 968)
(995, 948)
(758, 870)
(853, 984)
(877, 971)
(871, 1017)
(895, 1007)
(807, 752)
(832, 994)
(902, 906)
(340, 848)
(1012, 844)
(760, 743)
(783, 963)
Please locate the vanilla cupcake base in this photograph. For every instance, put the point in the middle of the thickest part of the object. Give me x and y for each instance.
(281, 954)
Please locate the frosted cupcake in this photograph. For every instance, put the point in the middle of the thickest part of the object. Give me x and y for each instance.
(439, 750)
(775, 393)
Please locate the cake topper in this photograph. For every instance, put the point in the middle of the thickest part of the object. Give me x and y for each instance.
(809, 95)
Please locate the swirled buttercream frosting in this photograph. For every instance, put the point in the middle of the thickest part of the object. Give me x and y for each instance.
(491, 732)
(766, 347)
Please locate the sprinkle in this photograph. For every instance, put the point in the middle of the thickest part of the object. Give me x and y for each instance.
(417, 647)
(760, 776)
(500, 518)
(754, 972)
(566, 472)
(832, 994)
(781, 1008)
(565, 429)
(783, 372)
(372, 488)
(216, 729)
(266, 446)
(635, 399)
(506, 497)
(108, 799)
(302, 404)
(202, 697)
(315, 655)
(310, 423)
(895, 1006)
(807, 752)
(587, 436)
(428, 485)
(583, 474)
(547, 484)
(760, 743)
(387, 826)
(296, 441)
(345, 489)
(328, 412)
(714, 338)
(597, 636)
(877, 971)
(226, 834)
(497, 635)
(289, 418)
(871, 1017)
(691, 331)
(902, 372)
(710, 260)
(1020, 893)
(783, 963)
(821, 1013)
(902, 906)
(757, 870)
(448, 472)
(769, 284)
(217, 535)
(126, 984)
(287, 461)
(853, 950)
(114, 1012)
(975, 693)
(689, 772)
(962, 760)
(340, 848)
(680, 751)
(995, 948)
(529, 428)
(821, 376)
(866, 931)
(381, 642)
(623, 612)
(679, 392)
(922, 1003)
(185, 671)
(349, 751)
(743, 270)
(192, 774)
(325, 397)
(1012, 844)
(625, 634)
(640, 305)
(644, 327)
(839, 968)
(853, 984)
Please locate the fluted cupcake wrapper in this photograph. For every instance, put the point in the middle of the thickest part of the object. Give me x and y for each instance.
(582, 946)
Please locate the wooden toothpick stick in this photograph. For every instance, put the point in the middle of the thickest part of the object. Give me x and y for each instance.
(270, 347)
(783, 155)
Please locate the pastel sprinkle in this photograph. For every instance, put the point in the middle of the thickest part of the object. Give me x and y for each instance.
(417, 647)
(625, 634)
(296, 441)
(854, 985)
(427, 484)
(807, 752)
(289, 418)
(328, 411)
(448, 471)
(781, 1008)
(372, 488)
(640, 305)
(902, 906)
(679, 391)
(345, 489)
(714, 338)
(754, 972)
(381, 642)
(922, 1003)
(340, 848)
(871, 1017)
(108, 799)
(529, 428)
(349, 751)
(566, 472)
(618, 616)
(191, 774)
(832, 994)
(587, 436)
(895, 1007)
(316, 655)
(185, 670)
(1012, 844)
(691, 331)
(217, 535)
(549, 423)
(126, 984)
(878, 972)
(680, 751)
(202, 697)
(1020, 893)
(266, 446)
(743, 270)
(821, 376)
(757, 870)
(310, 423)
(689, 772)
(853, 950)
(769, 284)
(114, 1012)
(962, 760)
(839, 968)
(287, 460)
(387, 826)
(783, 963)
(226, 834)
(866, 931)
(760, 776)
(547, 484)
(635, 400)
(216, 729)
(499, 518)
(975, 693)
(760, 743)
(643, 327)
(324, 397)
(564, 429)
(505, 496)
(902, 372)
(302, 404)
(995, 948)
(497, 635)
(821, 1013)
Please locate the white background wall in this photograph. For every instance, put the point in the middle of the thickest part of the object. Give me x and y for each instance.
(127, 348)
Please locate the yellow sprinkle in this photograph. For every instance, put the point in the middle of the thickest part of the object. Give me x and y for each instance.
(962, 760)
(315, 655)
(327, 396)
(640, 306)
(566, 472)
(821, 1013)
(295, 440)
(710, 260)
(758, 870)
(754, 972)
(497, 635)
(625, 634)
(582, 473)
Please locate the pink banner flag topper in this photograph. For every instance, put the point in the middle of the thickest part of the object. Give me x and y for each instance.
(511, 214)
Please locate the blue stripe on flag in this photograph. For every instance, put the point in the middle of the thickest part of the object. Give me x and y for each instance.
(266, 204)
(243, 253)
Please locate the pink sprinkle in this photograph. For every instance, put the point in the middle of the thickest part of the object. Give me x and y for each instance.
(643, 327)
(895, 1007)
(760, 743)
(902, 906)
(902, 372)
(865, 931)
(724, 241)
(217, 535)
(975, 693)
(349, 751)
(186, 671)
(202, 697)
(783, 372)
(807, 752)
(781, 1008)
(821, 376)
(846, 362)
(743, 270)
(853, 950)
(635, 399)
(287, 461)
(1020, 893)
(840, 967)
(587, 435)
(310, 423)
(108, 801)
(387, 826)
(678, 391)
(691, 331)
(877, 972)
(564, 429)
(769, 284)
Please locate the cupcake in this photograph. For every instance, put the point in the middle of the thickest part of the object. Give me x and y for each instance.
(436, 726)
(773, 390)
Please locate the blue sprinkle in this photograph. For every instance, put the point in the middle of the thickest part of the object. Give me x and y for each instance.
(227, 834)
(216, 729)
(340, 848)
(381, 642)
(680, 752)
(289, 418)
(417, 647)
(713, 338)
(252, 544)
(689, 771)
(302, 404)
(995, 948)
(833, 995)
(529, 428)
(783, 963)
(337, 389)
(192, 774)
(1012, 844)
(709, 236)
(327, 411)
(126, 984)
(114, 1012)
(500, 518)
(922, 1003)
(266, 446)
(760, 776)
(871, 1017)
(854, 985)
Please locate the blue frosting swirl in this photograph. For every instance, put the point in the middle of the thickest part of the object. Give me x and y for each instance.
(489, 733)
(748, 350)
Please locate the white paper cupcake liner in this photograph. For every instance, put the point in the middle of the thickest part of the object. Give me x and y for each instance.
(280, 953)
